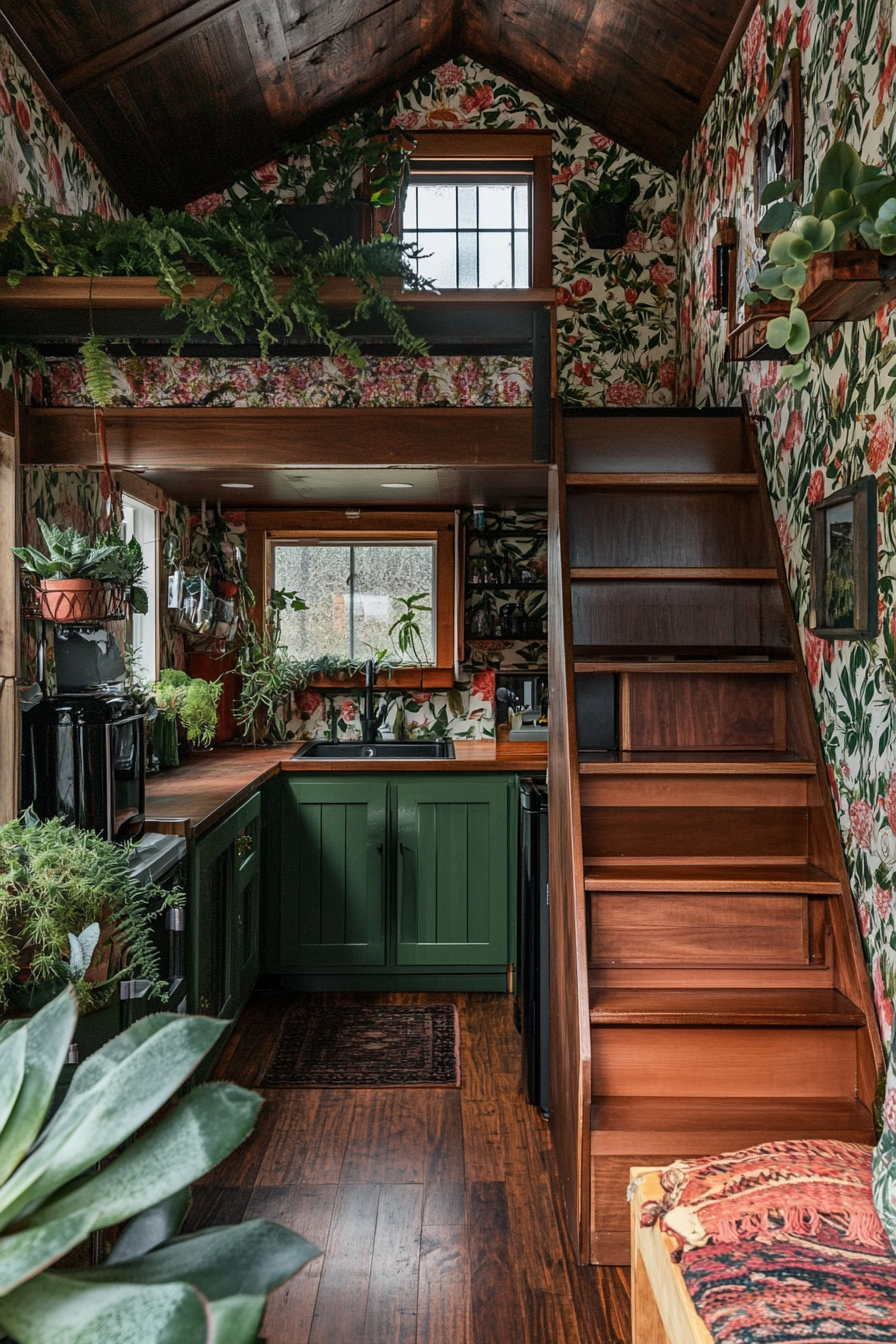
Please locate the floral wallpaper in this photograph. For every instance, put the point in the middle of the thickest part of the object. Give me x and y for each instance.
(446, 380)
(617, 309)
(838, 428)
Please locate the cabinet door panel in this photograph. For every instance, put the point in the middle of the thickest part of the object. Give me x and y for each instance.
(332, 877)
(452, 872)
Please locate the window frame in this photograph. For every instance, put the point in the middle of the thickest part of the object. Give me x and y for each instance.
(265, 527)
(534, 150)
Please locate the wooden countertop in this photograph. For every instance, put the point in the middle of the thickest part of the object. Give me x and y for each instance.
(204, 789)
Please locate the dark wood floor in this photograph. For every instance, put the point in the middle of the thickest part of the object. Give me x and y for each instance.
(436, 1209)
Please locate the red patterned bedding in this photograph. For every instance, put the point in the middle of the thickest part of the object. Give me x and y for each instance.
(781, 1244)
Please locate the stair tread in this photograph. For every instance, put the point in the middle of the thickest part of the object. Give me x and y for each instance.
(787, 1117)
(693, 763)
(798, 877)
(711, 666)
(672, 573)
(723, 1007)
(695, 480)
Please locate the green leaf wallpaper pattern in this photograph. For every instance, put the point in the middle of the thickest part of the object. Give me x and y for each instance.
(838, 428)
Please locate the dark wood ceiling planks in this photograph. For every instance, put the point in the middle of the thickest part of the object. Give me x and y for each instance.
(174, 98)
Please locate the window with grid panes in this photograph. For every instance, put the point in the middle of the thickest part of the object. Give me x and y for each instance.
(473, 228)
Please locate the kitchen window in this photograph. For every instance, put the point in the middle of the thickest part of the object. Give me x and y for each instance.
(353, 595)
(352, 567)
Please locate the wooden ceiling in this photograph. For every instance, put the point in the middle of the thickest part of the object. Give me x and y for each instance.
(174, 97)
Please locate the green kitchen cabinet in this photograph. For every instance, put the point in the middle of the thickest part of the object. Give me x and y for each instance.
(223, 913)
(452, 870)
(333, 875)
(390, 881)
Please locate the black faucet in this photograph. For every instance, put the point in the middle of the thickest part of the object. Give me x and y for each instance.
(369, 722)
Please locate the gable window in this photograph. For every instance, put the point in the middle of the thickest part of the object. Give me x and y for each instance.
(353, 594)
(478, 206)
(472, 228)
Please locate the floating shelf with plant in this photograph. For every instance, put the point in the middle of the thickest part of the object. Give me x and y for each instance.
(80, 581)
(831, 260)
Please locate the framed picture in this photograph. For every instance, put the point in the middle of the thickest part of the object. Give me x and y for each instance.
(778, 136)
(843, 563)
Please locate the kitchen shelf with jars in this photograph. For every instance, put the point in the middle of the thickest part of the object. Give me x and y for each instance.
(502, 591)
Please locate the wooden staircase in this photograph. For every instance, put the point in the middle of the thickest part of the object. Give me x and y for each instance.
(708, 986)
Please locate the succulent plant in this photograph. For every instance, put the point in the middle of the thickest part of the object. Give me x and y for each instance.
(854, 202)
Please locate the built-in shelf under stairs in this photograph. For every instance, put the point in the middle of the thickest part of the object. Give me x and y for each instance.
(708, 984)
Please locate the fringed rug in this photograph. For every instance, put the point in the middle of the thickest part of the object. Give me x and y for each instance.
(412, 1045)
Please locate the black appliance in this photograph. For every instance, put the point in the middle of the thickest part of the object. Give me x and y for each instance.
(533, 943)
(160, 860)
(83, 760)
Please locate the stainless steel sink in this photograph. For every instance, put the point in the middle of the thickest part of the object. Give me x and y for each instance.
(376, 751)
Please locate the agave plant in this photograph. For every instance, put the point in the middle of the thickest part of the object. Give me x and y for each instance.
(156, 1286)
(854, 202)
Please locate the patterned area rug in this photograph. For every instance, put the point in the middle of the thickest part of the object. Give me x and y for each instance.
(413, 1045)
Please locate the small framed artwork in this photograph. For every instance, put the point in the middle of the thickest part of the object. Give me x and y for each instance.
(778, 136)
(843, 563)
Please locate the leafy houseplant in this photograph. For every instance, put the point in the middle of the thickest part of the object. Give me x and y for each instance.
(75, 569)
(269, 674)
(192, 701)
(410, 641)
(854, 205)
(603, 210)
(155, 1286)
(55, 882)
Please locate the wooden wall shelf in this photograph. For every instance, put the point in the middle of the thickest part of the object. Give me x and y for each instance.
(841, 287)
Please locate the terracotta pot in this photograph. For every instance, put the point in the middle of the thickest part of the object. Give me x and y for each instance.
(64, 600)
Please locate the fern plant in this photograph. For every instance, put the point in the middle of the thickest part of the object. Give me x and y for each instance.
(245, 244)
(55, 880)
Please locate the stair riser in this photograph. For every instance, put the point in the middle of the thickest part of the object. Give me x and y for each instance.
(640, 443)
(678, 930)
(670, 616)
(682, 531)
(723, 1061)
(694, 790)
(680, 832)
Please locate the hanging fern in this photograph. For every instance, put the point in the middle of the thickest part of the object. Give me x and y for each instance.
(244, 243)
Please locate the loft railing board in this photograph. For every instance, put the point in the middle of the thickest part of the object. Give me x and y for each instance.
(723, 1007)
(749, 875)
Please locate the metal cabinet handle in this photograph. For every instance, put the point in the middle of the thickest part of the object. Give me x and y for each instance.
(244, 845)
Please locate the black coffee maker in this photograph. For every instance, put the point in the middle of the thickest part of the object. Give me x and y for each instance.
(82, 749)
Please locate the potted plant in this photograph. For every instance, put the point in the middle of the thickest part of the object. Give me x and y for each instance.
(190, 701)
(97, 1164)
(852, 213)
(269, 673)
(603, 210)
(70, 913)
(75, 574)
(409, 639)
(331, 187)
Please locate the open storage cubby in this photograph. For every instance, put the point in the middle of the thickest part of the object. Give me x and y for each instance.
(502, 591)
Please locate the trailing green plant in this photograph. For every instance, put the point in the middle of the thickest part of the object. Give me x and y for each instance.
(246, 244)
(334, 166)
(268, 671)
(854, 204)
(57, 880)
(71, 555)
(83, 1171)
(409, 640)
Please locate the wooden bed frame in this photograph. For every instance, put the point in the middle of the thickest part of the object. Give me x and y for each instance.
(662, 1310)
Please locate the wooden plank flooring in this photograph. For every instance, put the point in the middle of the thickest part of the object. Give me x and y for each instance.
(437, 1209)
